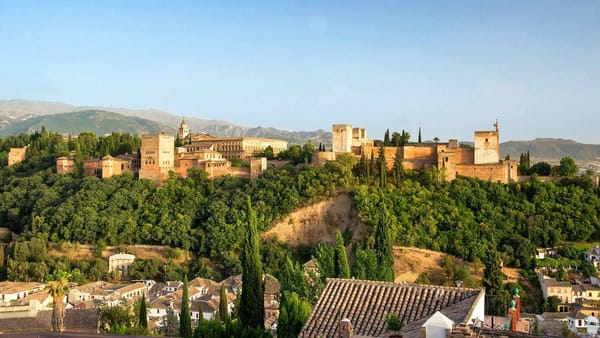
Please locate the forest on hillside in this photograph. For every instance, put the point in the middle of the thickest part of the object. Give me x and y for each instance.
(466, 217)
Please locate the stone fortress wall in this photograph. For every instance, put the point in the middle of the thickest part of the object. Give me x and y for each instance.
(481, 161)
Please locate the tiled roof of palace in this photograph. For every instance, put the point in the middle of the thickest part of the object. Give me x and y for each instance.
(366, 304)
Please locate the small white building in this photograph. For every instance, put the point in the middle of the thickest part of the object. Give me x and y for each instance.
(593, 256)
(437, 326)
(120, 262)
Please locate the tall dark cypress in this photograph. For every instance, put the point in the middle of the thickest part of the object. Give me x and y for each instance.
(143, 316)
(493, 281)
(386, 138)
(185, 317)
(419, 134)
(382, 167)
(223, 307)
(342, 266)
(384, 249)
(252, 307)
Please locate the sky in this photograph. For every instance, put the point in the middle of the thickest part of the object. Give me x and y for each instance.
(449, 67)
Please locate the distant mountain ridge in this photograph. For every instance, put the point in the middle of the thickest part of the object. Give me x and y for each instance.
(13, 111)
(17, 116)
(97, 121)
(551, 148)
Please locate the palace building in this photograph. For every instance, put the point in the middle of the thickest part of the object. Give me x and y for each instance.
(481, 161)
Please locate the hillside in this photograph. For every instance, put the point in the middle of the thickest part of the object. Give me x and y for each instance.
(551, 149)
(17, 111)
(96, 121)
(318, 223)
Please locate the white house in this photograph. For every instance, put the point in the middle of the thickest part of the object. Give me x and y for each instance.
(593, 256)
(437, 326)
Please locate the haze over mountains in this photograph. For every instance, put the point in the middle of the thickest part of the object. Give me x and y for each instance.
(18, 116)
(24, 116)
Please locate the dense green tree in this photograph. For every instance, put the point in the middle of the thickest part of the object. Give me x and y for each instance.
(493, 280)
(325, 261)
(293, 279)
(210, 329)
(398, 166)
(143, 313)
(382, 163)
(293, 314)
(524, 163)
(223, 307)
(393, 322)
(386, 138)
(552, 303)
(396, 139)
(404, 138)
(419, 139)
(541, 168)
(384, 250)
(185, 317)
(365, 265)
(268, 153)
(567, 167)
(170, 324)
(342, 267)
(251, 311)
(119, 317)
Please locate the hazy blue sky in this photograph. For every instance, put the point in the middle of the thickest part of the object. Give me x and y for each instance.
(450, 67)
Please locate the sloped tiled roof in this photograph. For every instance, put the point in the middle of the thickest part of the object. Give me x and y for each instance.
(366, 303)
(132, 287)
(14, 287)
(81, 320)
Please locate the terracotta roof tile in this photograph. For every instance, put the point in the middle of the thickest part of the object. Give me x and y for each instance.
(74, 320)
(366, 303)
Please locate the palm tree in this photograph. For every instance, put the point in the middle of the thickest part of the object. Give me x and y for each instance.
(57, 289)
(436, 139)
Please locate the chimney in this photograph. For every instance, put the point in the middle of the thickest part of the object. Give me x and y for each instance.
(518, 301)
(345, 329)
(515, 310)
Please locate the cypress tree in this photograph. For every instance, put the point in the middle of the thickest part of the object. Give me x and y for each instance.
(386, 138)
(372, 167)
(223, 306)
(493, 281)
(143, 315)
(384, 246)
(382, 167)
(419, 134)
(398, 167)
(185, 318)
(294, 313)
(341, 258)
(252, 307)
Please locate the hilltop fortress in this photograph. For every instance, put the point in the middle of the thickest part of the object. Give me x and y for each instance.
(481, 161)
(159, 156)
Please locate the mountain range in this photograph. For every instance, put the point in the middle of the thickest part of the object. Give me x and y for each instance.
(25, 116)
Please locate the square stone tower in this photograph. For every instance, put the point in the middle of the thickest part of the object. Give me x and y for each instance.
(158, 156)
(341, 138)
(487, 146)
